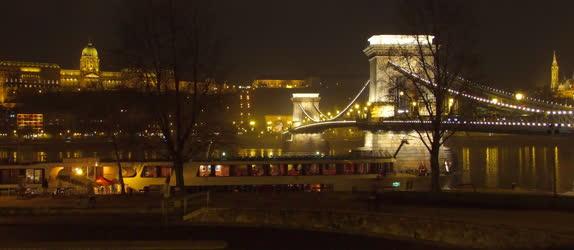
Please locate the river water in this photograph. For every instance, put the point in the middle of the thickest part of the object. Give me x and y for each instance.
(486, 161)
(532, 163)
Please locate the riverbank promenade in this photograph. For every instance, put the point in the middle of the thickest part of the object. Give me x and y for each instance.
(460, 216)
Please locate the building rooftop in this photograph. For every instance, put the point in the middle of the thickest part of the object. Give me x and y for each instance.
(29, 64)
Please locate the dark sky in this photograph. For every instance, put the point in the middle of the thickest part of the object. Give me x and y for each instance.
(303, 38)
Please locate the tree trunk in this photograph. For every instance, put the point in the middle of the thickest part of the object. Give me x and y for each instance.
(119, 163)
(435, 168)
(178, 166)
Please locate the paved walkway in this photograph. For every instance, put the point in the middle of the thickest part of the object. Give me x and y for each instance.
(102, 201)
(557, 221)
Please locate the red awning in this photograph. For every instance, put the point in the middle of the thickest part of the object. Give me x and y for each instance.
(103, 181)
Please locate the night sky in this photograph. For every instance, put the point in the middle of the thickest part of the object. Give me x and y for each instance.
(302, 38)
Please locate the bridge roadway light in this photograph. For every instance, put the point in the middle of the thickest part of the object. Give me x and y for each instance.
(519, 96)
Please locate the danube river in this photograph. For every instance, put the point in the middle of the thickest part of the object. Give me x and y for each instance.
(486, 161)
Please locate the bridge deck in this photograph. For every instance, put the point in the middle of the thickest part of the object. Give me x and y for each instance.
(469, 126)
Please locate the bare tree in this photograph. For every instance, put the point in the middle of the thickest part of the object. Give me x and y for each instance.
(431, 68)
(167, 41)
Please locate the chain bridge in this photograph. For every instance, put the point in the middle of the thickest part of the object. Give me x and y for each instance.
(496, 110)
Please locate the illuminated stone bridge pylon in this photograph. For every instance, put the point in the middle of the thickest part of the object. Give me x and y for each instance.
(305, 105)
(383, 52)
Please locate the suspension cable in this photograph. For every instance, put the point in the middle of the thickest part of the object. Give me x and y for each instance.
(342, 111)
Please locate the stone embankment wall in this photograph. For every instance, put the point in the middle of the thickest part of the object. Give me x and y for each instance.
(453, 233)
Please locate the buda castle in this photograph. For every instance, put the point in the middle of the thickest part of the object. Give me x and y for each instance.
(35, 77)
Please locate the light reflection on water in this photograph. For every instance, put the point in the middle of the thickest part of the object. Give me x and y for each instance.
(526, 167)
(486, 161)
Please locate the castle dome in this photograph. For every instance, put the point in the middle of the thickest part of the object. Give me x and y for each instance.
(89, 61)
(90, 50)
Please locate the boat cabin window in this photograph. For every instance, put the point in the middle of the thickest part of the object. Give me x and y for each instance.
(204, 170)
(276, 170)
(213, 170)
(156, 171)
(293, 169)
(34, 176)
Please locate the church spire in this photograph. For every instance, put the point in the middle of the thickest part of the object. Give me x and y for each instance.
(554, 74)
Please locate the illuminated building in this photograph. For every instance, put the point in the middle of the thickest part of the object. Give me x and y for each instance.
(28, 77)
(89, 75)
(281, 83)
(278, 123)
(35, 77)
(246, 122)
(33, 121)
(561, 88)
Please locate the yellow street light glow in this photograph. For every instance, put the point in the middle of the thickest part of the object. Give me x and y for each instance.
(414, 104)
(357, 106)
(519, 96)
(78, 171)
(252, 123)
(494, 100)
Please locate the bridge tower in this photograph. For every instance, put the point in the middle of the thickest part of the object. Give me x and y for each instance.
(401, 50)
(305, 103)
